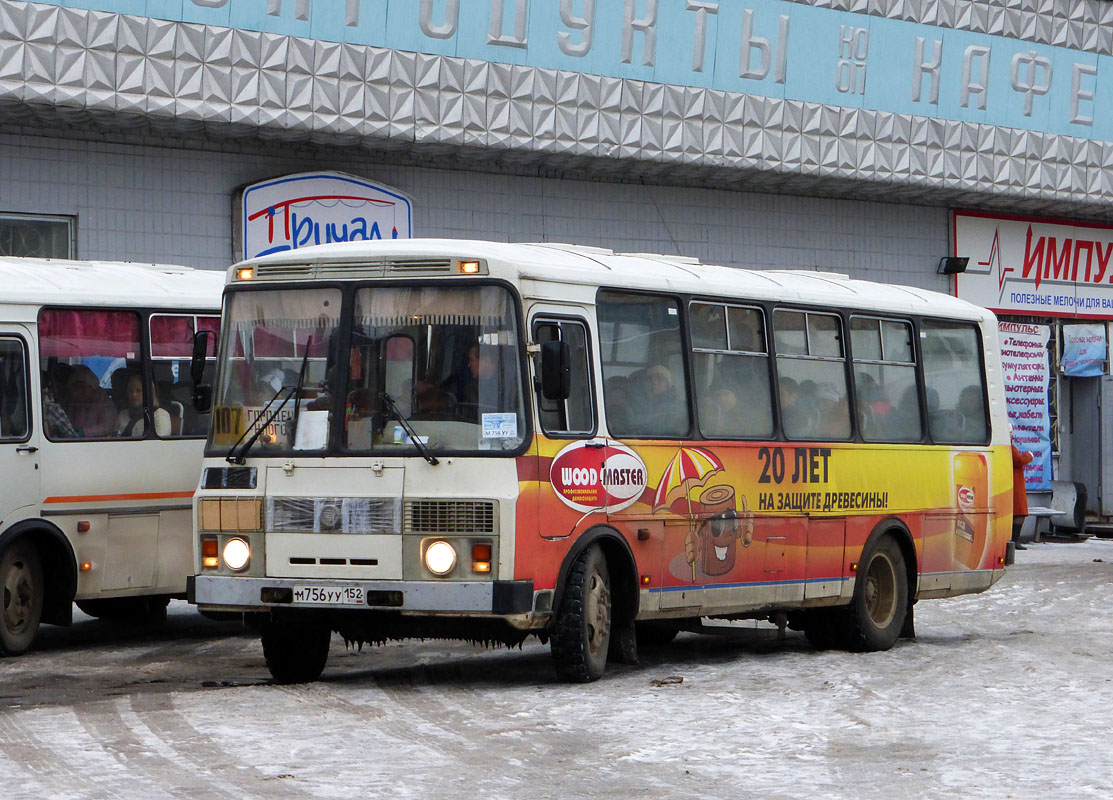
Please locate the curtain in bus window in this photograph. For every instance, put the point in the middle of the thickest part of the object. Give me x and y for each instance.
(88, 359)
(643, 365)
(13, 390)
(954, 381)
(272, 339)
(171, 335)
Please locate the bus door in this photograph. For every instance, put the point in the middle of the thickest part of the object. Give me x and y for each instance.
(566, 444)
(19, 440)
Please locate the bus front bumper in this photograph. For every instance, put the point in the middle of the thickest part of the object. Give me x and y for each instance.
(230, 593)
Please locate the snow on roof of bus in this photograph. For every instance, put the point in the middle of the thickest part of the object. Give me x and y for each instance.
(567, 263)
(123, 283)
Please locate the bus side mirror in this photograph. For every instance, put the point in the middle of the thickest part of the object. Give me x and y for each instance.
(556, 371)
(202, 393)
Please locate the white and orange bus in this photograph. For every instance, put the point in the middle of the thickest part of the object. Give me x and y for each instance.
(487, 441)
(99, 441)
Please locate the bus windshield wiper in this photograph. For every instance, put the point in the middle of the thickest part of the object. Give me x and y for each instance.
(238, 458)
(398, 415)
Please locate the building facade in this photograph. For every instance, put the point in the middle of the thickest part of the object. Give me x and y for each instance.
(859, 136)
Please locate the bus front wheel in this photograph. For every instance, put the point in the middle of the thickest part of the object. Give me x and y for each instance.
(581, 631)
(21, 578)
(880, 602)
(296, 650)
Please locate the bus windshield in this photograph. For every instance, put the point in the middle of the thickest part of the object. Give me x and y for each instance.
(441, 361)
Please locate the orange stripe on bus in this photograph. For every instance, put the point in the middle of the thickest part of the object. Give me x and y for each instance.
(103, 498)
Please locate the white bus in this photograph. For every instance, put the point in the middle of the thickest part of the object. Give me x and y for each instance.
(100, 443)
(487, 441)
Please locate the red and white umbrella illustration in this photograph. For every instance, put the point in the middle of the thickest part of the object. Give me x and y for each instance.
(691, 466)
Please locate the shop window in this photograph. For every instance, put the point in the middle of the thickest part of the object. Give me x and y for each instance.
(30, 236)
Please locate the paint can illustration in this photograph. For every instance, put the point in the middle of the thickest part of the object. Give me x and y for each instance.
(971, 482)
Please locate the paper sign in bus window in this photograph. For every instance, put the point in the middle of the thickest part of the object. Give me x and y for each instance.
(502, 425)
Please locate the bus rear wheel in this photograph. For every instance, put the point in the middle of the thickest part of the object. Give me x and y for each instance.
(21, 579)
(876, 615)
(581, 631)
(296, 650)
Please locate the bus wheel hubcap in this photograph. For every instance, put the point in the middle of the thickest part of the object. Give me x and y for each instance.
(597, 613)
(881, 591)
(18, 592)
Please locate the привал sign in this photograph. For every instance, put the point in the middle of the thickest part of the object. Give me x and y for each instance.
(318, 208)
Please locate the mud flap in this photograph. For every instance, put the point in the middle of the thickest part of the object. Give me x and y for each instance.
(624, 645)
(908, 631)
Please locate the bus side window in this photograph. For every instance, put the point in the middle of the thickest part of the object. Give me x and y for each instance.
(576, 415)
(13, 390)
(812, 376)
(80, 352)
(171, 395)
(731, 371)
(955, 382)
(888, 400)
(642, 353)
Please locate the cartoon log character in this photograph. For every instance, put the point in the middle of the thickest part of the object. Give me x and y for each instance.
(714, 545)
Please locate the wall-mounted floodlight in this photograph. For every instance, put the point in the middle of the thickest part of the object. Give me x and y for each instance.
(952, 265)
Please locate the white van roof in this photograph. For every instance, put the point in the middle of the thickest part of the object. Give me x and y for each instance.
(48, 281)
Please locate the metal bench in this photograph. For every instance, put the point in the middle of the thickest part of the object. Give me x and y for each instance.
(1064, 516)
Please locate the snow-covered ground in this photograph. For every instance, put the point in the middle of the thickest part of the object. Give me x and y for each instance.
(1007, 694)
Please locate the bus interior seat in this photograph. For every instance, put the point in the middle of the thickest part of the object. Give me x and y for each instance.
(177, 417)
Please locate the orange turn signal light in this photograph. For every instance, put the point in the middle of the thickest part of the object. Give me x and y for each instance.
(83, 526)
(209, 557)
(86, 566)
(481, 558)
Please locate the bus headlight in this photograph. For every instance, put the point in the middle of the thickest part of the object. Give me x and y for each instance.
(237, 554)
(440, 558)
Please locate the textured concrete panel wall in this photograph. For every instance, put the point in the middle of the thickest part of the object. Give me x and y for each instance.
(150, 203)
(71, 66)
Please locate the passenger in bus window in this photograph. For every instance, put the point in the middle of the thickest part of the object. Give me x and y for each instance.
(90, 409)
(131, 422)
(833, 418)
(722, 413)
(56, 423)
(666, 415)
(481, 388)
(972, 409)
(616, 392)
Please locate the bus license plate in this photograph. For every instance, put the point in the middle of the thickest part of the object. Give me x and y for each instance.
(329, 595)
